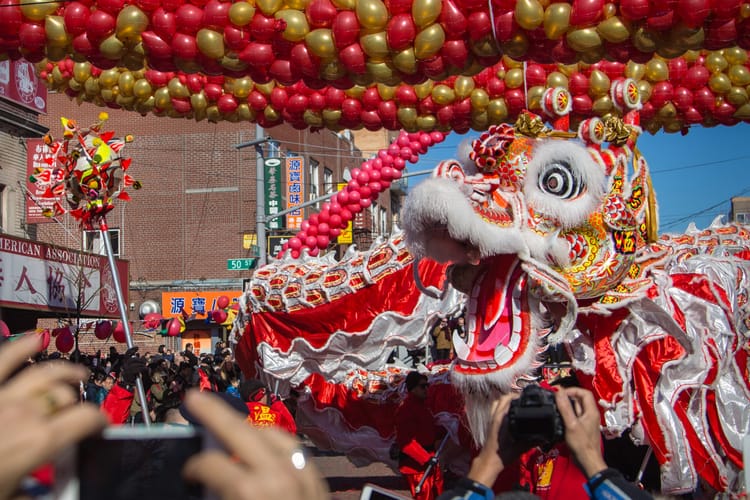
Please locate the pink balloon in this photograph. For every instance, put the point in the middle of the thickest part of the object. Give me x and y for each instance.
(222, 302)
(335, 220)
(4, 330)
(173, 327)
(311, 241)
(152, 320)
(323, 229)
(295, 254)
(103, 330)
(64, 342)
(295, 243)
(312, 230)
(45, 339)
(354, 197)
(323, 240)
(365, 202)
(346, 216)
(335, 232)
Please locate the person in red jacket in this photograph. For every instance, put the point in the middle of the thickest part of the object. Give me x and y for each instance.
(266, 409)
(417, 437)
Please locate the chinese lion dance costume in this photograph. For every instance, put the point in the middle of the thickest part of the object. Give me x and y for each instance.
(550, 238)
(553, 242)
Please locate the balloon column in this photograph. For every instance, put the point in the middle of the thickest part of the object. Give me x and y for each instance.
(368, 181)
(85, 172)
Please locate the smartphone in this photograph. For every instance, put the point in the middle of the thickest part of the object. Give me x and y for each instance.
(372, 492)
(132, 463)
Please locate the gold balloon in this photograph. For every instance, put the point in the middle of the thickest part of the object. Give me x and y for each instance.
(37, 10)
(443, 94)
(557, 79)
(372, 14)
(214, 115)
(386, 92)
(517, 46)
(486, 47)
(426, 123)
(268, 7)
(331, 116)
(112, 48)
(719, 83)
(599, 83)
(177, 88)
(602, 105)
(126, 83)
(511, 63)
(198, 101)
(593, 56)
(534, 97)
(735, 55)
(715, 62)
(463, 86)
(429, 41)
(613, 30)
(514, 78)
(332, 70)
(345, 4)
(743, 112)
(657, 70)
(265, 88)
(609, 10)
(425, 12)
(313, 118)
(375, 46)
(187, 65)
(142, 89)
(131, 22)
(379, 72)
(162, 99)
(745, 11)
(108, 78)
(497, 110)
(691, 56)
(146, 106)
(54, 26)
(479, 120)
(320, 43)
(241, 13)
(667, 112)
(635, 70)
(242, 87)
(644, 89)
(125, 101)
(57, 75)
(407, 116)
(529, 14)
(405, 61)
(739, 75)
(355, 92)
(296, 24)
(424, 89)
(299, 4)
(556, 20)
(480, 99)
(81, 71)
(672, 126)
(210, 43)
(737, 96)
(108, 95)
(584, 39)
(75, 86)
(232, 63)
(645, 40)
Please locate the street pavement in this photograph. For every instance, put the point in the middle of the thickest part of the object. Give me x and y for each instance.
(345, 480)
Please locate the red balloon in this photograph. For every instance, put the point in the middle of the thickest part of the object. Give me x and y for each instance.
(321, 13)
(219, 316)
(279, 98)
(661, 93)
(258, 54)
(152, 321)
(683, 98)
(398, 6)
(174, 327)
(353, 58)
(119, 333)
(697, 77)
(578, 84)
(283, 72)
(76, 17)
(235, 38)
(454, 21)
(585, 12)
(724, 112)
(692, 116)
(4, 330)
(262, 27)
(257, 100)
(322, 240)
(455, 53)
(720, 33)
(64, 342)
(400, 32)
(694, 12)
(32, 36)
(227, 104)
(480, 25)
(582, 104)
(216, 15)
(184, 46)
(148, 5)
(334, 98)
(164, 23)
(100, 25)
(110, 6)
(535, 75)
(189, 19)
(45, 339)
(677, 70)
(704, 100)
(350, 109)
(103, 329)
(155, 46)
(305, 61)
(634, 10)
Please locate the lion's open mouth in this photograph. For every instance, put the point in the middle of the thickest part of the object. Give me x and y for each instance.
(498, 320)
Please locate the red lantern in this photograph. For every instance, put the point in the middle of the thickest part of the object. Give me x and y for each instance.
(103, 329)
(64, 342)
(119, 333)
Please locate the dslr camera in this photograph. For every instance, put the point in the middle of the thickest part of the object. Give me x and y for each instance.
(533, 418)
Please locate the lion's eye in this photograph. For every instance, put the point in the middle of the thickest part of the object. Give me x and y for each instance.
(558, 179)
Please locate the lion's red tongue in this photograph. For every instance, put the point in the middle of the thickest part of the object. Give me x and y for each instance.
(497, 319)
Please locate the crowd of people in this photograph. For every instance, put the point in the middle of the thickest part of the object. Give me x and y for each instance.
(43, 415)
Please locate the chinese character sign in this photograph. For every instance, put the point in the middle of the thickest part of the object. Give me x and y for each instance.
(272, 172)
(295, 190)
(19, 83)
(36, 155)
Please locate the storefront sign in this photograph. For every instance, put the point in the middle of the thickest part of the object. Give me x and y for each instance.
(295, 190)
(272, 176)
(36, 152)
(38, 276)
(19, 83)
(194, 302)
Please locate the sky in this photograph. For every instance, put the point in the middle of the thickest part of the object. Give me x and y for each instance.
(694, 176)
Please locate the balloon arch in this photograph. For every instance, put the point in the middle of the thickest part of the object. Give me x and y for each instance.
(417, 65)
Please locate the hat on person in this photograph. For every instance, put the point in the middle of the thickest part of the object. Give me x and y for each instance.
(249, 387)
(413, 379)
(236, 403)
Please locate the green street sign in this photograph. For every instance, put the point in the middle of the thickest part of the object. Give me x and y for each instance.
(240, 264)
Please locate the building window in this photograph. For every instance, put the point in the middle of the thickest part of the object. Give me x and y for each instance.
(3, 208)
(328, 180)
(383, 221)
(273, 149)
(92, 242)
(314, 179)
(742, 218)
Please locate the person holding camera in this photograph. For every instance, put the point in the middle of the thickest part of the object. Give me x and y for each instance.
(506, 443)
(417, 437)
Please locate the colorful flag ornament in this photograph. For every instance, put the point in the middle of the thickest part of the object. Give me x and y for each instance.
(84, 172)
